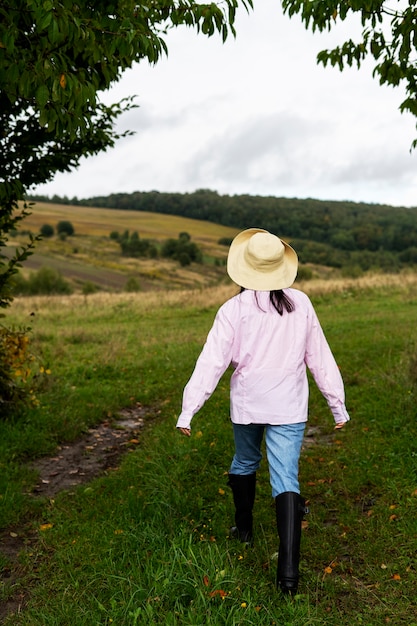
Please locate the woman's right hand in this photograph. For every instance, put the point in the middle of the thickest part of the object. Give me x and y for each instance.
(185, 431)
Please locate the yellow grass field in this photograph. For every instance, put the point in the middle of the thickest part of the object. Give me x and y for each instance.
(91, 256)
(203, 297)
(100, 222)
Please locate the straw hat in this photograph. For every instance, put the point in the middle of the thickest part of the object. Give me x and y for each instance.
(261, 261)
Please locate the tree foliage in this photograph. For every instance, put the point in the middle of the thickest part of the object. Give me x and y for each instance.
(133, 245)
(337, 234)
(65, 227)
(56, 58)
(182, 250)
(389, 36)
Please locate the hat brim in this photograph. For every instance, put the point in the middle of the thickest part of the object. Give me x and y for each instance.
(245, 276)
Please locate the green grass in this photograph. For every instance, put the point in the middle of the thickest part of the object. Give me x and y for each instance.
(148, 543)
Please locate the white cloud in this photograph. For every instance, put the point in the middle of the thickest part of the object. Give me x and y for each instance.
(256, 115)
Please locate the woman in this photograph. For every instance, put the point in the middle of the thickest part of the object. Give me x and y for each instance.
(270, 334)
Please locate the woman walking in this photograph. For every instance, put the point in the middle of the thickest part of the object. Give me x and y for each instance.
(270, 334)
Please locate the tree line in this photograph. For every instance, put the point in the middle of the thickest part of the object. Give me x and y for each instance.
(354, 236)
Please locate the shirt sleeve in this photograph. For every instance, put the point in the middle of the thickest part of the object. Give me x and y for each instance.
(322, 364)
(209, 368)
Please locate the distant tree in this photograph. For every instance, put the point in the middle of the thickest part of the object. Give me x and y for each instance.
(47, 230)
(132, 245)
(225, 241)
(409, 256)
(388, 36)
(65, 227)
(182, 250)
(183, 259)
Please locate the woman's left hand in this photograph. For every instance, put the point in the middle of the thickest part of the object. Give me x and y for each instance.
(186, 431)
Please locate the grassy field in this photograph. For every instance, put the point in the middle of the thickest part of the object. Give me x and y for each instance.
(147, 543)
(90, 256)
(100, 222)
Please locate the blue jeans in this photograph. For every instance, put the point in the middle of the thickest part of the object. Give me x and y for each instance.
(283, 448)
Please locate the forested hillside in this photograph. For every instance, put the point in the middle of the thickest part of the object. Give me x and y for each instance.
(353, 236)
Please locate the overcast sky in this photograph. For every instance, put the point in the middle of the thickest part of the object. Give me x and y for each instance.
(257, 116)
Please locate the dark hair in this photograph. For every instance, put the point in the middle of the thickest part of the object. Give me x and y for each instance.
(279, 300)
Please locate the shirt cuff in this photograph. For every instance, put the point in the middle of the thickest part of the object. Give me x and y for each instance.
(340, 414)
(184, 421)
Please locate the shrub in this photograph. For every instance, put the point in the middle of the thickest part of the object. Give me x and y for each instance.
(182, 250)
(47, 281)
(225, 241)
(304, 273)
(47, 230)
(89, 287)
(132, 284)
(65, 227)
(20, 372)
(184, 259)
(132, 245)
(115, 235)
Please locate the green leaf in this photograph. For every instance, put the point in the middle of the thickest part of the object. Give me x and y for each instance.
(42, 96)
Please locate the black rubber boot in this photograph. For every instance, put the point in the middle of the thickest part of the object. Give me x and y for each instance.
(290, 509)
(243, 489)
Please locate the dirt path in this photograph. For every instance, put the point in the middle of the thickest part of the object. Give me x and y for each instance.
(74, 464)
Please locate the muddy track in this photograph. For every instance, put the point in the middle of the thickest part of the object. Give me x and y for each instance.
(75, 464)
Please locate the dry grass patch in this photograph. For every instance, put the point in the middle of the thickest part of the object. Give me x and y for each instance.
(53, 306)
(100, 222)
(404, 280)
(199, 297)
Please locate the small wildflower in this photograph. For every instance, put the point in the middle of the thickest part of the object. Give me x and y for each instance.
(243, 605)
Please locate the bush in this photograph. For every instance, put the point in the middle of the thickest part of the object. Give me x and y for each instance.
(182, 250)
(132, 245)
(20, 371)
(47, 230)
(225, 241)
(132, 285)
(89, 287)
(65, 228)
(47, 281)
(184, 259)
(304, 273)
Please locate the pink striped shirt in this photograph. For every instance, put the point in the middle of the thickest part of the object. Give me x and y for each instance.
(269, 354)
